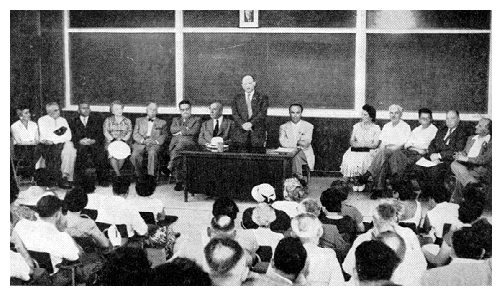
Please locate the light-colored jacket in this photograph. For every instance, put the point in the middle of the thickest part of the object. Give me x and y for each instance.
(289, 139)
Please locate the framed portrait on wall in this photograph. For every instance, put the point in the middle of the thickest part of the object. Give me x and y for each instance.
(248, 19)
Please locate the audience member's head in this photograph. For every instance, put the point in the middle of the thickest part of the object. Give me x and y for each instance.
(290, 257)
(385, 217)
(474, 192)
(469, 211)
(226, 261)
(468, 244)
(435, 193)
(75, 200)
(293, 190)
(121, 185)
(483, 229)
(126, 267)
(222, 226)
(49, 206)
(310, 205)
(145, 186)
(375, 262)
(307, 227)
(403, 190)
(331, 199)
(225, 206)
(263, 215)
(263, 193)
(368, 113)
(395, 242)
(179, 272)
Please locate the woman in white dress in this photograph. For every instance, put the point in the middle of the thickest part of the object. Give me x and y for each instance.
(363, 142)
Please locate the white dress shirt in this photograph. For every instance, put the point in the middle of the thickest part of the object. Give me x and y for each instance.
(323, 267)
(219, 120)
(145, 204)
(47, 125)
(150, 127)
(421, 137)
(115, 210)
(478, 144)
(395, 135)
(84, 119)
(18, 267)
(42, 236)
(24, 135)
(441, 214)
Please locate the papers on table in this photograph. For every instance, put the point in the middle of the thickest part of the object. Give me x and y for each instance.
(284, 150)
(426, 163)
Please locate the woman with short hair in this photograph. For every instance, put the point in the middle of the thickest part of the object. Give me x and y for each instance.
(117, 128)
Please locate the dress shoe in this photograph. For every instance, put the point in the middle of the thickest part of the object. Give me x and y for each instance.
(178, 187)
(376, 194)
(65, 184)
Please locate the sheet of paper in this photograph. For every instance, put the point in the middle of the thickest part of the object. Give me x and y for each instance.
(285, 150)
(426, 163)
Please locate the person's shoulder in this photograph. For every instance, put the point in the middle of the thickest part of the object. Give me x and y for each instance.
(16, 124)
(404, 124)
(307, 124)
(286, 124)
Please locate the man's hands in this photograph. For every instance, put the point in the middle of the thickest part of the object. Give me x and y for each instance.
(436, 157)
(87, 141)
(47, 142)
(460, 156)
(247, 126)
(420, 151)
(149, 142)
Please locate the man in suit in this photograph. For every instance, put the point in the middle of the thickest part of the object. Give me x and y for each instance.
(448, 140)
(297, 133)
(87, 131)
(184, 130)
(149, 134)
(474, 162)
(249, 110)
(217, 126)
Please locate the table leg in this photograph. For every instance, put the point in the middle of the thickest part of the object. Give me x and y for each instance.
(187, 177)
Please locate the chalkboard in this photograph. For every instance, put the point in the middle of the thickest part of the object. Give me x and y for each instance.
(133, 68)
(438, 71)
(315, 69)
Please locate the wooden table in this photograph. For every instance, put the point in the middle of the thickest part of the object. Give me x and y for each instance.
(234, 173)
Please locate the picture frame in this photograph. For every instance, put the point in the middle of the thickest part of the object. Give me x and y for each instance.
(248, 19)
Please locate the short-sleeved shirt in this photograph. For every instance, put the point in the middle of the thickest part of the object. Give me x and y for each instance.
(421, 137)
(117, 129)
(115, 210)
(366, 135)
(395, 134)
(22, 134)
(77, 226)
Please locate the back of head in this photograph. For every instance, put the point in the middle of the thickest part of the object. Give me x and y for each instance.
(75, 200)
(121, 185)
(437, 193)
(395, 242)
(293, 190)
(332, 198)
(474, 192)
(222, 256)
(222, 226)
(145, 186)
(306, 226)
(310, 205)
(263, 215)
(483, 229)
(126, 266)
(290, 256)
(404, 189)
(385, 212)
(375, 261)
(470, 210)
(468, 244)
(48, 206)
(225, 206)
(179, 272)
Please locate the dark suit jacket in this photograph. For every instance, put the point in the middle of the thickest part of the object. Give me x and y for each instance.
(93, 130)
(224, 131)
(456, 143)
(159, 130)
(189, 130)
(259, 105)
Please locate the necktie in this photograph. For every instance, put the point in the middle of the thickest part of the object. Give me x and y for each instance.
(151, 119)
(216, 129)
(248, 103)
(447, 134)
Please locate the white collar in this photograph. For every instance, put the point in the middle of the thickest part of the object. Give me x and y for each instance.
(466, 260)
(219, 119)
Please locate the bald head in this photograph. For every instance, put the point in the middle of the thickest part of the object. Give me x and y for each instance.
(484, 127)
(216, 110)
(248, 83)
(452, 119)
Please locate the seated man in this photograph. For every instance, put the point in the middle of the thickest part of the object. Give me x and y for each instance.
(375, 264)
(286, 267)
(392, 138)
(149, 135)
(24, 134)
(474, 162)
(297, 133)
(57, 148)
(184, 130)
(217, 126)
(46, 234)
(88, 138)
(448, 140)
(416, 146)
(323, 266)
(226, 261)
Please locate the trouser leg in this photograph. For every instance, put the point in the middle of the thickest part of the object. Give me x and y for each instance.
(137, 158)
(68, 157)
(152, 158)
(298, 161)
(52, 156)
(379, 168)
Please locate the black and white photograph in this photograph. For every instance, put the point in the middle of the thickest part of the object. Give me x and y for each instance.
(248, 19)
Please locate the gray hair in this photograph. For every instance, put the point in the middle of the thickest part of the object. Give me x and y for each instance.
(395, 106)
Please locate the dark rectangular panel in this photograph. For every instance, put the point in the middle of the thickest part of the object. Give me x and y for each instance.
(121, 18)
(307, 18)
(438, 71)
(133, 68)
(211, 18)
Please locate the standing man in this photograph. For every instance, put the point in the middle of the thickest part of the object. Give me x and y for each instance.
(149, 135)
(56, 146)
(184, 130)
(297, 133)
(249, 110)
(392, 138)
(87, 132)
(217, 126)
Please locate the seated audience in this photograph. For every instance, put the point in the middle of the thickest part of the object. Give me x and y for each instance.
(473, 164)
(293, 194)
(332, 214)
(149, 135)
(184, 130)
(117, 128)
(126, 266)
(56, 146)
(116, 210)
(217, 126)
(414, 263)
(47, 233)
(363, 142)
(225, 206)
(467, 267)
(263, 216)
(286, 268)
(179, 272)
(375, 264)
(78, 226)
(87, 137)
(264, 194)
(392, 138)
(22, 206)
(25, 136)
(323, 267)
(226, 261)
(297, 133)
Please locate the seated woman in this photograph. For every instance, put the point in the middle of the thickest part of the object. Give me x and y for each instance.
(80, 226)
(25, 138)
(294, 192)
(264, 194)
(117, 128)
(263, 215)
(332, 214)
(363, 141)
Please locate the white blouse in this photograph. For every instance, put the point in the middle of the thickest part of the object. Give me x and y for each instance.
(24, 135)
